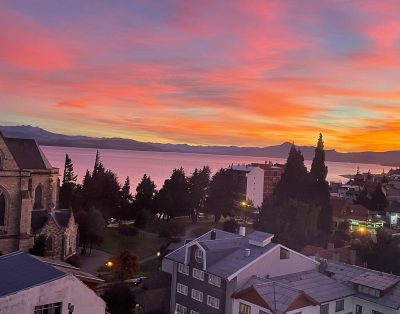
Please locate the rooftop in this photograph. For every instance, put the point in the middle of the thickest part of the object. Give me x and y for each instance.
(27, 153)
(227, 252)
(20, 271)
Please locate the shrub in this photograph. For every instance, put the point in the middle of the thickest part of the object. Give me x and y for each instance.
(127, 230)
(74, 260)
(39, 247)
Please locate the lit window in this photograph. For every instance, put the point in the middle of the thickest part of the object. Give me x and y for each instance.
(324, 309)
(244, 308)
(182, 289)
(198, 274)
(213, 302)
(54, 308)
(180, 309)
(214, 280)
(197, 295)
(198, 255)
(183, 269)
(339, 306)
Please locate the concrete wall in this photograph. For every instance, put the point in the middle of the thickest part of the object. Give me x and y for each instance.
(369, 306)
(66, 290)
(255, 186)
(272, 265)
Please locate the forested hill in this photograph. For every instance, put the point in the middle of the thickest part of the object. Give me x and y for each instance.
(46, 138)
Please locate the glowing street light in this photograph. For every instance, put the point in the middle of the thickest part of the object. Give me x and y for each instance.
(109, 264)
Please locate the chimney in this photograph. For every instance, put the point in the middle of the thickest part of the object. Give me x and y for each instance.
(331, 246)
(213, 234)
(242, 231)
(247, 252)
(353, 257)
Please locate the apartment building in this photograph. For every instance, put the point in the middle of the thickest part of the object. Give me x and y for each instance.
(207, 271)
(261, 182)
(221, 272)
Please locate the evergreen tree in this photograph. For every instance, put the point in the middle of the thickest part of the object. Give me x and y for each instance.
(318, 188)
(294, 178)
(198, 186)
(145, 191)
(69, 175)
(223, 194)
(379, 201)
(68, 186)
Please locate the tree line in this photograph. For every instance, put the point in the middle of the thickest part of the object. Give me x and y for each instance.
(180, 195)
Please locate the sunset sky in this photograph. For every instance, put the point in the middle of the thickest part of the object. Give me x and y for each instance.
(247, 73)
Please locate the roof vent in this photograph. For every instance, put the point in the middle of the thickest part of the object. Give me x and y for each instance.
(247, 252)
(242, 231)
(213, 234)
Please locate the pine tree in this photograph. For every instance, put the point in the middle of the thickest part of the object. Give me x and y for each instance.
(69, 175)
(98, 165)
(318, 170)
(379, 200)
(199, 182)
(293, 180)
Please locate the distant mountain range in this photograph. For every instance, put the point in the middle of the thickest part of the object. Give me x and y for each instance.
(46, 138)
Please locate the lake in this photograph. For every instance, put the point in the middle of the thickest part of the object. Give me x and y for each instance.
(159, 165)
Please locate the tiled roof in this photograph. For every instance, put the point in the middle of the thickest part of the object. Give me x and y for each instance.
(27, 153)
(226, 254)
(20, 271)
(347, 273)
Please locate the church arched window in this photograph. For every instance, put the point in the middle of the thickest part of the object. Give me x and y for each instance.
(2, 208)
(1, 160)
(38, 198)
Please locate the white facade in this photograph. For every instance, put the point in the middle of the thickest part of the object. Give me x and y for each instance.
(68, 290)
(255, 186)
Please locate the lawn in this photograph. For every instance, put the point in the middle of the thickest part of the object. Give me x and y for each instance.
(143, 245)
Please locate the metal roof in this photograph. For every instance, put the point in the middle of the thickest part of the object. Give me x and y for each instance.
(317, 285)
(226, 254)
(259, 236)
(380, 281)
(346, 274)
(20, 271)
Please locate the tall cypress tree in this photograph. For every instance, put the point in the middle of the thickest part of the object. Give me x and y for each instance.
(319, 188)
(68, 187)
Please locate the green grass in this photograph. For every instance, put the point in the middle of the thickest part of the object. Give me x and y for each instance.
(143, 244)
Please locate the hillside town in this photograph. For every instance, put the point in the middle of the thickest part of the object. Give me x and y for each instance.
(226, 258)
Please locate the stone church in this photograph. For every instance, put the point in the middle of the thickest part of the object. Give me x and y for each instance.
(29, 188)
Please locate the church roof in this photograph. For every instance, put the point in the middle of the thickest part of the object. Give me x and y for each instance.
(27, 153)
(62, 217)
(21, 271)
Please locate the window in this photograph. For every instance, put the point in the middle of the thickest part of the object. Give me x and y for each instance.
(198, 255)
(284, 254)
(368, 290)
(182, 289)
(377, 312)
(339, 306)
(1, 161)
(38, 198)
(358, 309)
(183, 269)
(180, 309)
(213, 302)
(324, 309)
(197, 295)
(198, 274)
(194, 312)
(54, 308)
(214, 280)
(2, 209)
(244, 308)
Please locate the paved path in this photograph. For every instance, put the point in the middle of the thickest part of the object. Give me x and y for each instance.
(92, 263)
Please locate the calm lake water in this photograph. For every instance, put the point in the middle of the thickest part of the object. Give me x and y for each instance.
(159, 165)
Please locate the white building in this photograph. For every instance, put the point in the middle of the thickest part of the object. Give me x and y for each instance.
(30, 286)
(222, 272)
